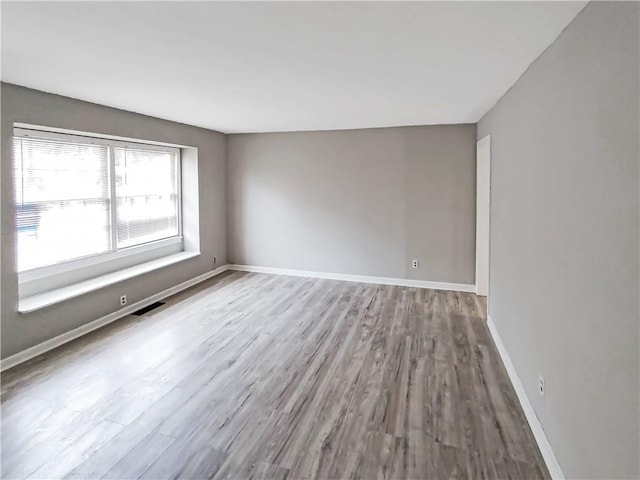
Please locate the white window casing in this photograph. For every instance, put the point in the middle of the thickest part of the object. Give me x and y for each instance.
(88, 206)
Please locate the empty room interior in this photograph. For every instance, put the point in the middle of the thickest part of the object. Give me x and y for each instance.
(295, 240)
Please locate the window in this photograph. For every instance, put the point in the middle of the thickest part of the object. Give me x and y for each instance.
(146, 196)
(84, 197)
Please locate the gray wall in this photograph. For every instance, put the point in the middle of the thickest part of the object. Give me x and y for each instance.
(361, 202)
(564, 238)
(30, 106)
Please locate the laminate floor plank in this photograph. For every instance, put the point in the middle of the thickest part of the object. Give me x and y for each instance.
(77, 451)
(140, 458)
(262, 376)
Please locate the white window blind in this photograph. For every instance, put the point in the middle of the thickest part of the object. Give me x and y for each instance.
(78, 198)
(146, 195)
(62, 201)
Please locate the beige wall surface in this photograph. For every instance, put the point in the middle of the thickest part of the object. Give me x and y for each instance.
(362, 202)
(564, 280)
(19, 104)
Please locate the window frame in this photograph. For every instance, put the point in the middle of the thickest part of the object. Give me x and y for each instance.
(163, 247)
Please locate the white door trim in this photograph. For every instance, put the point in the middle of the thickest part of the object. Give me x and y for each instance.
(483, 202)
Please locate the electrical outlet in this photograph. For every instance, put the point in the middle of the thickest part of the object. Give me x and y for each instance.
(123, 300)
(541, 385)
(414, 263)
(214, 260)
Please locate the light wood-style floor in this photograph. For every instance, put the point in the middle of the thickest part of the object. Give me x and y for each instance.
(260, 376)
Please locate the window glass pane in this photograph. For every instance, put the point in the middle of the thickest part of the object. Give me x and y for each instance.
(62, 201)
(146, 195)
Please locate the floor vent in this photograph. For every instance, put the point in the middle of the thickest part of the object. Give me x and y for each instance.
(147, 309)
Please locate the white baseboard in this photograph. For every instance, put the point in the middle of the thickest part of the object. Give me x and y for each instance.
(55, 342)
(402, 282)
(538, 432)
(534, 423)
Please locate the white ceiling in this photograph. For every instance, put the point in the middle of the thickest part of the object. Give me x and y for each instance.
(256, 67)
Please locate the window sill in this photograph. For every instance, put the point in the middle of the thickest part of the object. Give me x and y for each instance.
(46, 299)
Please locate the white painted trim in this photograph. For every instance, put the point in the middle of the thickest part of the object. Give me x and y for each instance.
(46, 133)
(45, 299)
(538, 432)
(458, 287)
(483, 213)
(534, 423)
(103, 262)
(55, 342)
(66, 131)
